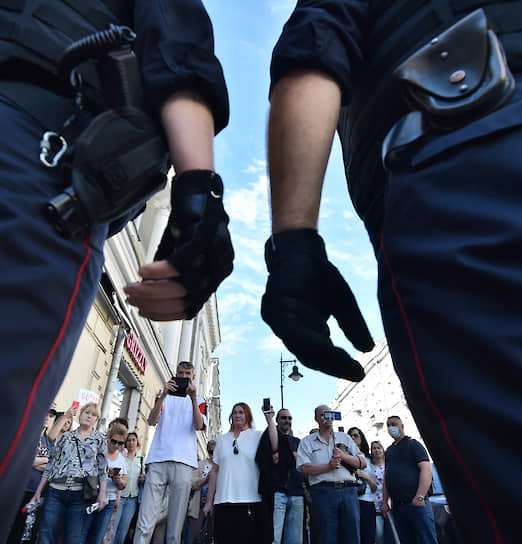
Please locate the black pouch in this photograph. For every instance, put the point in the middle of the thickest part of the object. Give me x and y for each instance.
(120, 161)
(458, 77)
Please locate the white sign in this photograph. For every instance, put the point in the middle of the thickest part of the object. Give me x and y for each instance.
(85, 396)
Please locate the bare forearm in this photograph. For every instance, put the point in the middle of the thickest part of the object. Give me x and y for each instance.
(303, 119)
(189, 126)
(197, 418)
(313, 469)
(156, 411)
(425, 477)
(272, 433)
(212, 482)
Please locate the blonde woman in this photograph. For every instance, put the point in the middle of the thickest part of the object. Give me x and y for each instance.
(79, 453)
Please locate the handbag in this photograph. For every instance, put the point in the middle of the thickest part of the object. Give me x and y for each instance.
(91, 484)
(361, 487)
(205, 534)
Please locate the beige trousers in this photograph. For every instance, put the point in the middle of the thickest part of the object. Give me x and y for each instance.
(165, 481)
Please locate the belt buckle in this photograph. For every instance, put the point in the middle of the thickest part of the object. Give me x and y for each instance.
(69, 481)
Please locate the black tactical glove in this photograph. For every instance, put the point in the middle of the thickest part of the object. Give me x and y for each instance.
(303, 290)
(196, 240)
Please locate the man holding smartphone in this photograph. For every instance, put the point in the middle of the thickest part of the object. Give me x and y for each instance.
(172, 458)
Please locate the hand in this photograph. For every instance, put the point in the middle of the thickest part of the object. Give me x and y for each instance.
(171, 385)
(116, 478)
(141, 479)
(102, 503)
(385, 509)
(418, 502)
(335, 462)
(116, 505)
(191, 390)
(360, 473)
(269, 414)
(207, 509)
(160, 295)
(303, 290)
(197, 245)
(275, 458)
(36, 497)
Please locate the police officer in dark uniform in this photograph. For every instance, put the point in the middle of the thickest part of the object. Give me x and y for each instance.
(49, 278)
(432, 157)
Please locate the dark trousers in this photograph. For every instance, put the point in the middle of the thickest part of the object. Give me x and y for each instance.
(335, 515)
(450, 289)
(47, 286)
(238, 523)
(367, 509)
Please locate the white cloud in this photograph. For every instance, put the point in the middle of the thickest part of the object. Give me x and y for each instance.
(348, 215)
(271, 343)
(249, 205)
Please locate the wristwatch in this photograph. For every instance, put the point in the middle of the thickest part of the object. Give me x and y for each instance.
(420, 497)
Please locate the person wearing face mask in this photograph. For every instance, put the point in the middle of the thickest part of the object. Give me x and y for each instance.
(407, 480)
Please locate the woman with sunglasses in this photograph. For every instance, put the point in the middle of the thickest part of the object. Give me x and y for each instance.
(98, 522)
(233, 483)
(366, 504)
(79, 453)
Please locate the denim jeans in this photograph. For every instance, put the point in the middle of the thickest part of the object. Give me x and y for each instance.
(335, 515)
(288, 514)
(62, 509)
(123, 518)
(96, 525)
(415, 523)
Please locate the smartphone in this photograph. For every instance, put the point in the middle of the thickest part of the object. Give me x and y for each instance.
(75, 405)
(115, 470)
(331, 415)
(341, 429)
(182, 384)
(266, 405)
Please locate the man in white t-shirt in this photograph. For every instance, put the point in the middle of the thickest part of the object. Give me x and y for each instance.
(172, 457)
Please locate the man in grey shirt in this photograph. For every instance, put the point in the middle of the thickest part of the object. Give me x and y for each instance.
(328, 460)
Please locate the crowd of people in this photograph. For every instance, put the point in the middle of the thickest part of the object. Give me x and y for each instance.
(258, 487)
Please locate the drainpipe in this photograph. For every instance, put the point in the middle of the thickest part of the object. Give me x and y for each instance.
(113, 374)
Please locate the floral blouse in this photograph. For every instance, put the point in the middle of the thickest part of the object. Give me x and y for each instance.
(64, 462)
(379, 476)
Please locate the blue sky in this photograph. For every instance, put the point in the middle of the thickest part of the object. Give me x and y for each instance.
(245, 33)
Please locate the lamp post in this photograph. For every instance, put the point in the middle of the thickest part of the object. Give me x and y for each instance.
(295, 375)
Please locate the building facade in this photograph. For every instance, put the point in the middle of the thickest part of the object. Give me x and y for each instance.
(369, 403)
(122, 360)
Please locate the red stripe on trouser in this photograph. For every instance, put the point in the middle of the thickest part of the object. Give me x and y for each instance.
(39, 377)
(474, 485)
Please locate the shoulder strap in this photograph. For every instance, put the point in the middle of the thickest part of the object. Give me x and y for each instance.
(78, 450)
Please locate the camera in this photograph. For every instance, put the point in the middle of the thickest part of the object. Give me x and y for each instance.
(182, 384)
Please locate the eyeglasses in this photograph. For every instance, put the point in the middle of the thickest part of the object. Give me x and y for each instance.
(119, 443)
(234, 445)
(286, 417)
(355, 435)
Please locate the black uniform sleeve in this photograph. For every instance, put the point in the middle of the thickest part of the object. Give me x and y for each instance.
(175, 47)
(323, 35)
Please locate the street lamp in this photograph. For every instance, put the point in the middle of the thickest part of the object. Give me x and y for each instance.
(295, 375)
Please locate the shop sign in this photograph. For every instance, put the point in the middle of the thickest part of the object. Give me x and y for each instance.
(136, 353)
(85, 396)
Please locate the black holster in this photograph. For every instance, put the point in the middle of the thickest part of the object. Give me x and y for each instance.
(119, 160)
(458, 77)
